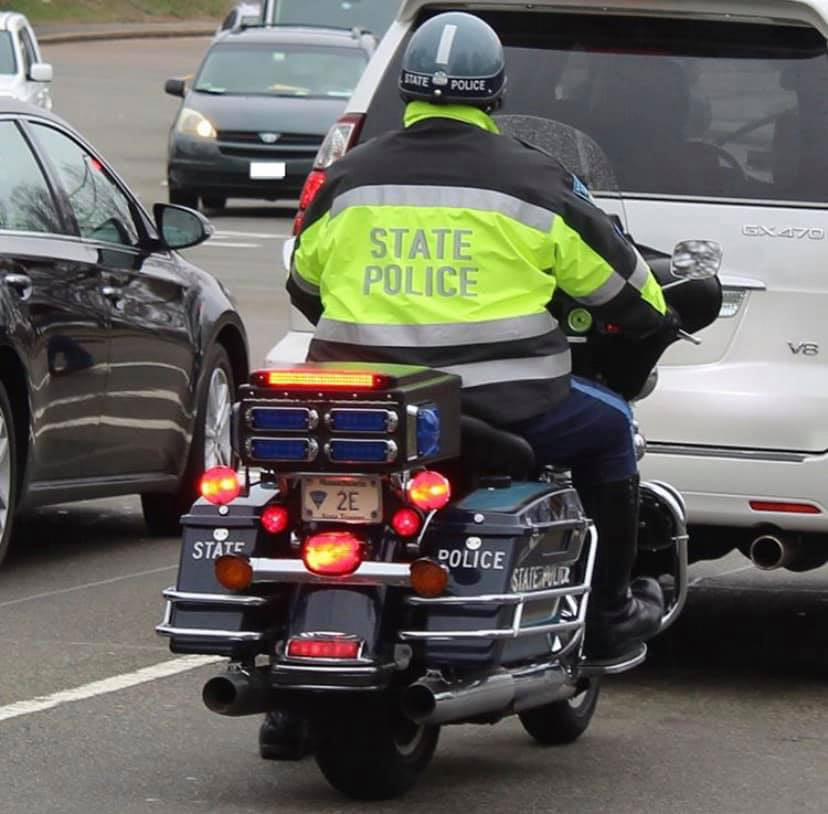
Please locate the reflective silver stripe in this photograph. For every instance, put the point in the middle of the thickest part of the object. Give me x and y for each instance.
(605, 292)
(307, 287)
(496, 371)
(446, 41)
(615, 283)
(485, 200)
(638, 279)
(437, 335)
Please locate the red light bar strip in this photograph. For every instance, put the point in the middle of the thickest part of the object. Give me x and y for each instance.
(344, 649)
(785, 508)
(321, 379)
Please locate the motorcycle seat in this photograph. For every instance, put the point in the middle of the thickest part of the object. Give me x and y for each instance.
(488, 450)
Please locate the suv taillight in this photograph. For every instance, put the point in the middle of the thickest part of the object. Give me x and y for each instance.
(341, 137)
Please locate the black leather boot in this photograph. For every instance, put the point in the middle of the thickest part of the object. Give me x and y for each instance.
(621, 614)
(284, 736)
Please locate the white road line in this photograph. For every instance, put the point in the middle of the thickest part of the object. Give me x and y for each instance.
(106, 685)
(86, 585)
(218, 245)
(699, 580)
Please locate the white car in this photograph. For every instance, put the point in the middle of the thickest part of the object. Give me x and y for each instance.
(714, 114)
(23, 73)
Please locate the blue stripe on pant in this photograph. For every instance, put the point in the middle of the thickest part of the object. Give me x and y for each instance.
(591, 432)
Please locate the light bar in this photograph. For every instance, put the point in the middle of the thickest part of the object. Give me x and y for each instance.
(282, 449)
(321, 379)
(330, 649)
(356, 420)
(282, 418)
(354, 451)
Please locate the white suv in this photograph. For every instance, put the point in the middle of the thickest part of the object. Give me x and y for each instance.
(23, 74)
(715, 116)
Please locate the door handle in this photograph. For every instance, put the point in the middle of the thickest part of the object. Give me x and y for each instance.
(112, 293)
(20, 283)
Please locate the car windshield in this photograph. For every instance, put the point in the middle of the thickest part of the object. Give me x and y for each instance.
(682, 108)
(8, 64)
(280, 70)
(372, 15)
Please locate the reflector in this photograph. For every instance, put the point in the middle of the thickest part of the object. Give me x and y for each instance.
(274, 519)
(220, 485)
(233, 573)
(429, 490)
(784, 507)
(406, 522)
(324, 648)
(333, 553)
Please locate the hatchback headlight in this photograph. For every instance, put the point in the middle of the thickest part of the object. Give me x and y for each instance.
(193, 123)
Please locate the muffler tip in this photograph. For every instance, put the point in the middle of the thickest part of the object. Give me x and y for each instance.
(418, 703)
(219, 694)
(768, 552)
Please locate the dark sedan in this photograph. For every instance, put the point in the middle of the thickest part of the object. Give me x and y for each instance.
(258, 110)
(118, 358)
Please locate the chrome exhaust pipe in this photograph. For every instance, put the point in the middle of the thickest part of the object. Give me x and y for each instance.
(769, 552)
(236, 694)
(433, 700)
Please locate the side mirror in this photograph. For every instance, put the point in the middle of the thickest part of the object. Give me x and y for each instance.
(41, 72)
(180, 227)
(696, 260)
(175, 87)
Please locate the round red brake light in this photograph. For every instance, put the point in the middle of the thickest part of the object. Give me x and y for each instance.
(406, 522)
(220, 485)
(429, 490)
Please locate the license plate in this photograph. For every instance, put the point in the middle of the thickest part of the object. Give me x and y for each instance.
(267, 169)
(347, 500)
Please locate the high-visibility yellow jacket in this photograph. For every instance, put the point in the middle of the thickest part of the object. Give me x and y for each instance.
(441, 245)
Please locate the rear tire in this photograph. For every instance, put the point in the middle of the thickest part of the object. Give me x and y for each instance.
(211, 446)
(563, 721)
(214, 201)
(374, 752)
(183, 197)
(9, 474)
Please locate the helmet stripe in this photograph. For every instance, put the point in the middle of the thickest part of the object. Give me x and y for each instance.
(446, 42)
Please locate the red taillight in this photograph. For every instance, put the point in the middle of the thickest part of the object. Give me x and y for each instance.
(784, 507)
(429, 490)
(333, 553)
(220, 485)
(340, 138)
(406, 522)
(274, 519)
(324, 648)
(321, 379)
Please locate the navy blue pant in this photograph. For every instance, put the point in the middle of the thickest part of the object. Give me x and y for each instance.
(591, 432)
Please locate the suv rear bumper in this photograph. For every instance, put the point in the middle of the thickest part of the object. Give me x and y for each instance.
(718, 484)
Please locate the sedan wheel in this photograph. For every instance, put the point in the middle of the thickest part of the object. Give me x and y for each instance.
(218, 449)
(211, 445)
(8, 472)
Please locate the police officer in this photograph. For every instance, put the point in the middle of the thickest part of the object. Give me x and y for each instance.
(441, 244)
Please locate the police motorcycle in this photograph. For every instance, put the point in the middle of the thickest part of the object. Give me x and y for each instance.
(384, 566)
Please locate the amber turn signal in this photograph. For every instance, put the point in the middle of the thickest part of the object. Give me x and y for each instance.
(234, 573)
(428, 578)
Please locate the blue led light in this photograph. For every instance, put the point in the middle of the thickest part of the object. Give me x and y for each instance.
(360, 420)
(362, 451)
(279, 418)
(428, 430)
(281, 449)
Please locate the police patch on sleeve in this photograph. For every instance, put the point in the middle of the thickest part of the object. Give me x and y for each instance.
(580, 189)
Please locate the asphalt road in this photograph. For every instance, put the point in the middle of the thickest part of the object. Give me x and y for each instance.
(729, 715)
